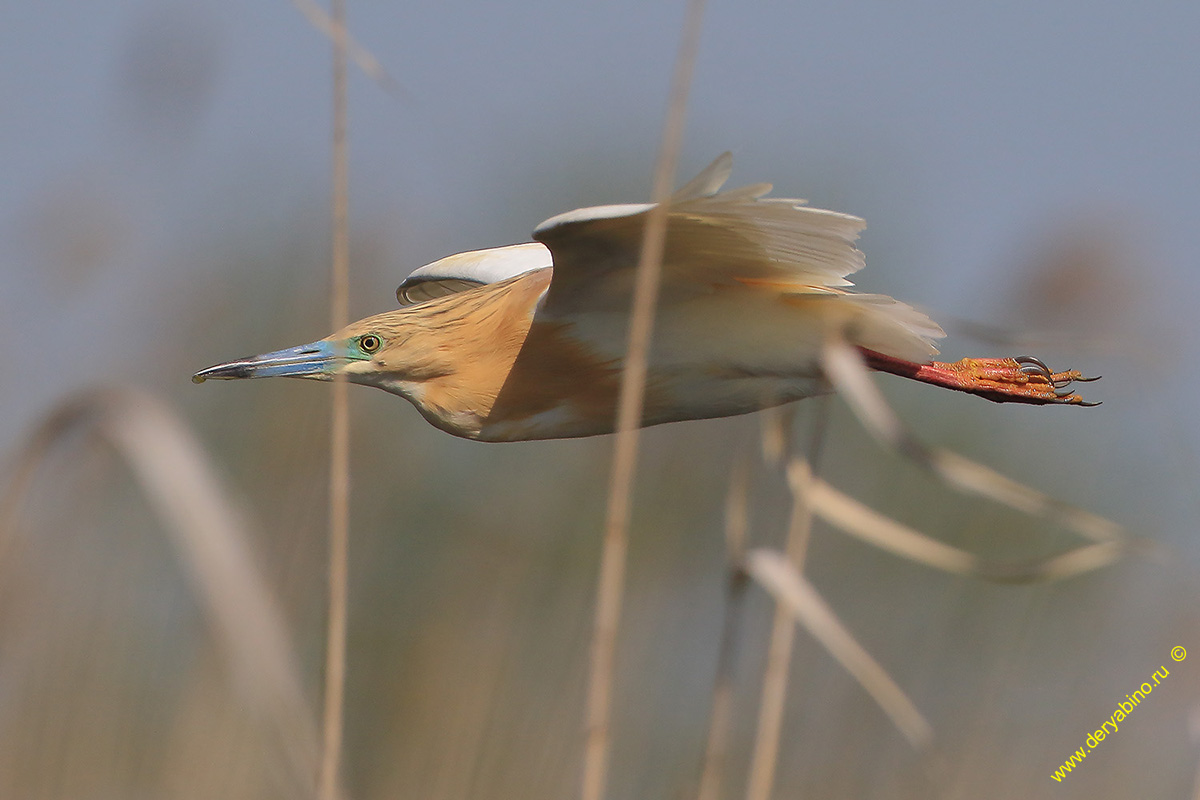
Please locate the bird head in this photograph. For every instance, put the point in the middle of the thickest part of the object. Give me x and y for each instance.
(388, 350)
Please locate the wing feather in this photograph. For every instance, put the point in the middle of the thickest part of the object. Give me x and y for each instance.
(738, 239)
(714, 238)
(709, 181)
(463, 271)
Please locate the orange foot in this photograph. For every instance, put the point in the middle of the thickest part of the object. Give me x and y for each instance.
(1023, 379)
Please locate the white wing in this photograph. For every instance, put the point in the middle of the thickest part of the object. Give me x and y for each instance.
(735, 240)
(731, 238)
(473, 268)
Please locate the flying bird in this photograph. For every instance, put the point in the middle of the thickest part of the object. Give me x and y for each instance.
(528, 341)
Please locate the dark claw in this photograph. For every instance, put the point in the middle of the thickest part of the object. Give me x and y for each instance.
(1033, 366)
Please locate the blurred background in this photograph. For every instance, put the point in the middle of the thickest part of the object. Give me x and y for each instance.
(1029, 175)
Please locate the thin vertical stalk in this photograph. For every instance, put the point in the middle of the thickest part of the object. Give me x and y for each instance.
(716, 748)
(629, 414)
(783, 632)
(339, 450)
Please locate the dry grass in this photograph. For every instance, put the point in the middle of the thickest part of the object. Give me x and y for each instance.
(804, 605)
(611, 585)
(209, 536)
(339, 446)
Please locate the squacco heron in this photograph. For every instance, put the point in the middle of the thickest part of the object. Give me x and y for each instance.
(528, 341)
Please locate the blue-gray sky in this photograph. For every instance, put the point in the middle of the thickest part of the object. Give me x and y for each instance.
(137, 134)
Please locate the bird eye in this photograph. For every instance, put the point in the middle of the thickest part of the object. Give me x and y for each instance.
(370, 343)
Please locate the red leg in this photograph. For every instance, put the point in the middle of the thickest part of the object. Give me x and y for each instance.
(1002, 380)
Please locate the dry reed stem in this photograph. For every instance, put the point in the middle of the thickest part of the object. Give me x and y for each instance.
(716, 747)
(773, 699)
(776, 434)
(361, 56)
(339, 446)
(629, 413)
(844, 366)
(210, 537)
(737, 510)
(772, 703)
(852, 517)
(798, 600)
(775, 573)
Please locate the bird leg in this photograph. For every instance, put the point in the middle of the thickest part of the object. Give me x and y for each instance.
(846, 367)
(1023, 379)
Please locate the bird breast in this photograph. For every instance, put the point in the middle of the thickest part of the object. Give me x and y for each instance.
(514, 375)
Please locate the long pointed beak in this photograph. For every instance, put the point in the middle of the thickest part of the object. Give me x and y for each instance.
(319, 360)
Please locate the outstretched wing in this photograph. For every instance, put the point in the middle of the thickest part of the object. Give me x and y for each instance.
(467, 270)
(714, 238)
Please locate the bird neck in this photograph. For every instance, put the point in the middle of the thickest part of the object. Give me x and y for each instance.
(475, 340)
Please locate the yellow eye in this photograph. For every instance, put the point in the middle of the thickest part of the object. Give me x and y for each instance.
(370, 343)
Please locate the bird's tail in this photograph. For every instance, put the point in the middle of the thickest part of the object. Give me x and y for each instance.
(886, 325)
